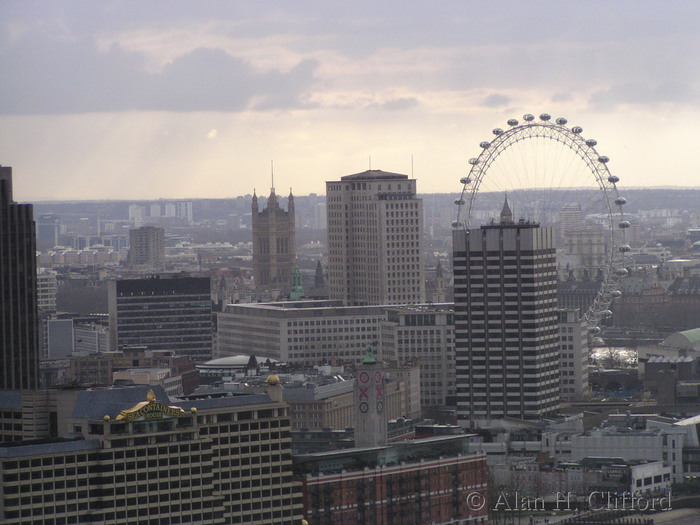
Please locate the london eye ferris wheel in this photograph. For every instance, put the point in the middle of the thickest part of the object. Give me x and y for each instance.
(552, 175)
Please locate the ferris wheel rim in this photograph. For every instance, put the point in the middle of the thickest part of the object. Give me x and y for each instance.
(572, 138)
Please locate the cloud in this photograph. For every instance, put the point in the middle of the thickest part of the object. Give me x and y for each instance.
(397, 104)
(496, 100)
(562, 97)
(212, 134)
(643, 93)
(43, 75)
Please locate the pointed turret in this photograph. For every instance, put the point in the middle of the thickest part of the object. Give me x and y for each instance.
(506, 214)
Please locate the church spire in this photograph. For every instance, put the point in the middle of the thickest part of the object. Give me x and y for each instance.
(506, 214)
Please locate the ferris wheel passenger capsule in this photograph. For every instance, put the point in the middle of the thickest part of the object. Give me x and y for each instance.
(498, 131)
(465, 180)
(614, 179)
(459, 202)
(615, 293)
(624, 248)
(562, 121)
(455, 224)
(594, 329)
(624, 224)
(603, 159)
(528, 117)
(484, 144)
(620, 201)
(622, 272)
(545, 116)
(591, 142)
(473, 161)
(512, 122)
(606, 313)
(577, 129)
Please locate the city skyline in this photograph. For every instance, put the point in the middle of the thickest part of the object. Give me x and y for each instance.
(168, 100)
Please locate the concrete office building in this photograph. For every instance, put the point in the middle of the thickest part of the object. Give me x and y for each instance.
(163, 312)
(506, 332)
(274, 248)
(375, 239)
(322, 332)
(147, 249)
(423, 334)
(299, 332)
(573, 356)
(144, 458)
(19, 314)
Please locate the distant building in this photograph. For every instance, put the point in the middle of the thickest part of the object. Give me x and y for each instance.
(19, 314)
(375, 239)
(48, 231)
(163, 312)
(573, 356)
(147, 249)
(506, 333)
(46, 290)
(274, 249)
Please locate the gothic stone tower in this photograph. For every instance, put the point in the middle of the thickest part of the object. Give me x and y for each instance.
(274, 251)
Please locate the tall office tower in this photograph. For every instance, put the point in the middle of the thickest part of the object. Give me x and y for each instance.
(506, 321)
(164, 312)
(137, 215)
(274, 251)
(375, 236)
(48, 229)
(147, 249)
(19, 317)
(570, 219)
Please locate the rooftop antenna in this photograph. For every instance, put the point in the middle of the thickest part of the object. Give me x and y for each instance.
(370, 162)
(272, 174)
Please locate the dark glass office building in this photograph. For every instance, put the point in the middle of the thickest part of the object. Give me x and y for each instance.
(19, 343)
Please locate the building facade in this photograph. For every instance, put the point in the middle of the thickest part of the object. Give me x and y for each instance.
(303, 332)
(274, 248)
(375, 239)
(573, 356)
(163, 312)
(19, 315)
(146, 459)
(423, 334)
(383, 485)
(506, 331)
(147, 249)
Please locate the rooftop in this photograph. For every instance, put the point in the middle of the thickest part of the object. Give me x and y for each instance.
(374, 175)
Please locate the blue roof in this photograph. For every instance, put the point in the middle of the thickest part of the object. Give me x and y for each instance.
(57, 447)
(94, 404)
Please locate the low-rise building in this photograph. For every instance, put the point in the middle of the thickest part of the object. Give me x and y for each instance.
(432, 480)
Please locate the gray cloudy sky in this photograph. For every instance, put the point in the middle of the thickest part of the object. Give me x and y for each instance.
(132, 99)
